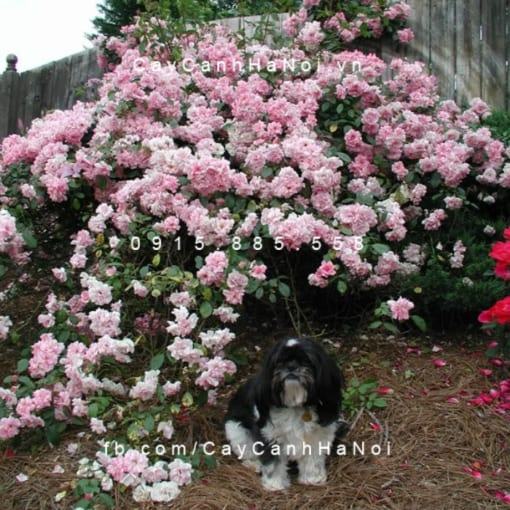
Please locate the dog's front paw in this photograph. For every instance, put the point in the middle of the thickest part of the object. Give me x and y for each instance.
(313, 477)
(254, 465)
(274, 483)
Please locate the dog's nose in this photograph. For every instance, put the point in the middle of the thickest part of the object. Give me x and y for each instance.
(291, 375)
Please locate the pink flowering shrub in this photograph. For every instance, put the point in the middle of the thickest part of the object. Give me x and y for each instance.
(194, 183)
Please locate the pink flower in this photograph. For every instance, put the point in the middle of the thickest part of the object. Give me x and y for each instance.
(477, 475)
(166, 428)
(214, 372)
(170, 389)
(180, 472)
(434, 220)
(9, 428)
(97, 426)
(146, 388)
(185, 322)
(5, 326)
(45, 355)
(405, 35)
(400, 308)
(213, 271)
(258, 271)
(139, 289)
(439, 363)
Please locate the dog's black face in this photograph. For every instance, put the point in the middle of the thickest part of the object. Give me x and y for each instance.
(298, 372)
(293, 379)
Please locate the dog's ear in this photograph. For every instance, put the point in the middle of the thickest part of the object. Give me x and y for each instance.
(264, 396)
(329, 385)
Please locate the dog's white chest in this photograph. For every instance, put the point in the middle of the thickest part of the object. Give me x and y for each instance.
(292, 429)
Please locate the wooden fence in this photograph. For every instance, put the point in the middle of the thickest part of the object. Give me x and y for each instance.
(466, 43)
(58, 85)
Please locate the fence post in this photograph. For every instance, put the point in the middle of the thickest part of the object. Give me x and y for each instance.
(9, 83)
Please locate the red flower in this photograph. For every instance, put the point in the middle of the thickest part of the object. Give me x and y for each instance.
(499, 312)
(506, 233)
(502, 271)
(385, 390)
(501, 252)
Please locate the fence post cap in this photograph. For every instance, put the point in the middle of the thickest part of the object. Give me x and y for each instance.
(11, 60)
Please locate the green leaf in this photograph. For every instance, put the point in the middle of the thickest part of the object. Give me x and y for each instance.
(267, 172)
(259, 292)
(76, 205)
(106, 500)
(206, 309)
(93, 410)
(156, 260)
(391, 328)
(29, 239)
(375, 325)
(64, 335)
(148, 423)
(187, 399)
(27, 382)
(101, 181)
(380, 248)
(419, 323)
(366, 387)
(22, 365)
(284, 289)
(380, 402)
(157, 361)
(210, 461)
(341, 286)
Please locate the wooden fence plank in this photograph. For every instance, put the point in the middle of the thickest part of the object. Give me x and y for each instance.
(507, 54)
(419, 21)
(468, 47)
(494, 52)
(442, 45)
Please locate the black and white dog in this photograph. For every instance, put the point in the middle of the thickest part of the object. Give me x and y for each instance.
(289, 411)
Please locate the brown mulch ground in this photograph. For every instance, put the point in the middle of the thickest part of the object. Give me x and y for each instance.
(431, 442)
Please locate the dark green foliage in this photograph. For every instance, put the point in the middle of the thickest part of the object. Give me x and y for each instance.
(499, 124)
(114, 14)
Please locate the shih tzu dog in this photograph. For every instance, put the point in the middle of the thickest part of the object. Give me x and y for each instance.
(289, 411)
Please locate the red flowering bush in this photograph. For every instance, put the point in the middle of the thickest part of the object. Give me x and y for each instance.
(205, 165)
(499, 313)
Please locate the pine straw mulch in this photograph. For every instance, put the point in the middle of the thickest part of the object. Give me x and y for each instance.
(432, 441)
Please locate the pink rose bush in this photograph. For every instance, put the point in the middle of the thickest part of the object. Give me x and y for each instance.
(197, 178)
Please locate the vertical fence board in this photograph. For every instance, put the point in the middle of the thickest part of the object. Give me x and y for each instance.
(494, 52)
(507, 54)
(443, 57)
(468, 45)
(419, 21)
(49, 86)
